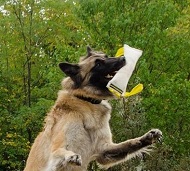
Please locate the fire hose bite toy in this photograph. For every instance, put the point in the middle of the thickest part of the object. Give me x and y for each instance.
(118, 84)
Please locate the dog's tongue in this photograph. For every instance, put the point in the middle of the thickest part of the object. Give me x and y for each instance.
(118, 84)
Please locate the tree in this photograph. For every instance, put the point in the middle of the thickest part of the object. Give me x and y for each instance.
(34, 39)
(37, 34)
(153, 27)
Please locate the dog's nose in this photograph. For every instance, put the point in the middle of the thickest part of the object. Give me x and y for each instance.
(122, 58)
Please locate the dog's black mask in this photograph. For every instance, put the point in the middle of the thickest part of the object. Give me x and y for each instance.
(104, 70)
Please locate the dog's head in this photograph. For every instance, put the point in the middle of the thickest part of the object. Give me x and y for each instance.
(91, 74)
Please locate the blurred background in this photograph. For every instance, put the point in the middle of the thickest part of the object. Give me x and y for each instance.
(36, 35)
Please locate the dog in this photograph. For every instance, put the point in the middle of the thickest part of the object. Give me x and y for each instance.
(76, 130)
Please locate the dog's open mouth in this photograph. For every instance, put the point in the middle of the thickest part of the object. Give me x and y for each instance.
(110, 75)
(115, 67)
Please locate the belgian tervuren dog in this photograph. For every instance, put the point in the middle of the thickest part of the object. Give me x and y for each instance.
(77, 130)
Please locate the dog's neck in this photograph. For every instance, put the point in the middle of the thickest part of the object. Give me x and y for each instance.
(89, 99)
(87, 93)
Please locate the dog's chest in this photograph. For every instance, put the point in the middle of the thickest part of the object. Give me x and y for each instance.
(97, 117)
(88, 130)
(96, 125)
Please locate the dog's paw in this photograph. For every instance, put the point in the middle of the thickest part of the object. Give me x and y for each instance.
(75, 159)
(152, 136)
(156, 135)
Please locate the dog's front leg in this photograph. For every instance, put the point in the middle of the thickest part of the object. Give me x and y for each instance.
(117, 153)
(61, 158)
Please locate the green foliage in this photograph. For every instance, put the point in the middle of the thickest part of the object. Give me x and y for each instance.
(37, 35)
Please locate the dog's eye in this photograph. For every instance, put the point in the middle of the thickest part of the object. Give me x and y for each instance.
(99, 63)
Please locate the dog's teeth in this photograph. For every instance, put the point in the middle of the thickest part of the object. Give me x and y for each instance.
(109, 76)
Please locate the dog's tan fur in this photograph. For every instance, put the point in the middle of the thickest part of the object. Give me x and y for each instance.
(77, 131)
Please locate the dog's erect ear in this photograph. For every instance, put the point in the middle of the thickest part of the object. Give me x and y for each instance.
(89, 51)
(73, 71)
(69, 69)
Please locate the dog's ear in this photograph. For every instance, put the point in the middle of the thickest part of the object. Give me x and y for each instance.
(89, 51)
(73, 71)
(69, 69)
